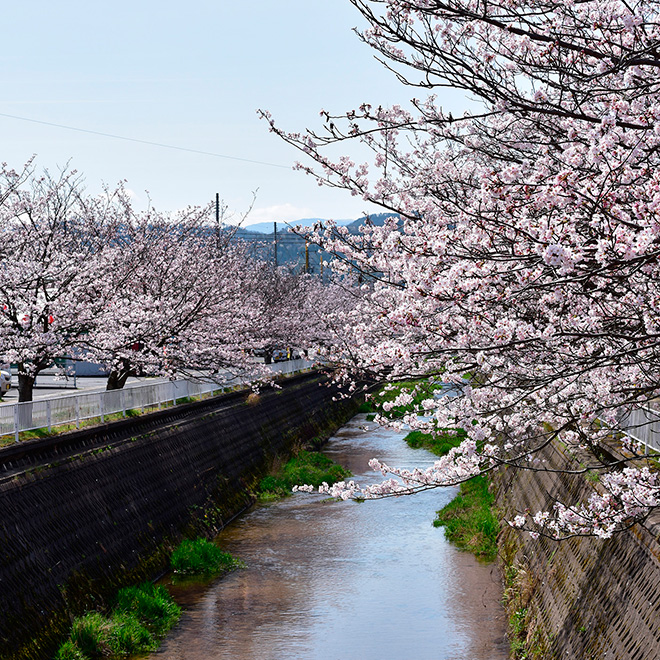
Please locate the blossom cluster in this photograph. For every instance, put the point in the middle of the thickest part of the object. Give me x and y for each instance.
(147, 293)
(525, 252)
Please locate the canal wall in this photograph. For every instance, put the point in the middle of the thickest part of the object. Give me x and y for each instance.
(88, 513)
(582, 598)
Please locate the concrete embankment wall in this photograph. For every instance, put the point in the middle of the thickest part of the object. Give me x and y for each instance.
(587, 599)
(105, 508)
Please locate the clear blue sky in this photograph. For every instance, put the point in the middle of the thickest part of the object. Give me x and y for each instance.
(190, 74)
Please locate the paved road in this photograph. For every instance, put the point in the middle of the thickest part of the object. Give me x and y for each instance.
(50, 385)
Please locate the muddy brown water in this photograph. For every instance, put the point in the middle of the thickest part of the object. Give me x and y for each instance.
(342, 580)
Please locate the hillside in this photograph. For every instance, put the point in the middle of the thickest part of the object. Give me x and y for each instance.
(291, 247)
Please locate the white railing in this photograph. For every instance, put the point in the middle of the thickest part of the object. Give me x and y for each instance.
(74, 408)
(642, 424)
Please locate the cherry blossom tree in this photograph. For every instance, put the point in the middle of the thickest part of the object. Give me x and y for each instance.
(296, 310)
(143, 293)
(50, 244)
(178, 297)
(527, 250)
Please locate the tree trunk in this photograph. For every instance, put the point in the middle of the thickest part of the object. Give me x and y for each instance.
(117, 379)
(25, 387)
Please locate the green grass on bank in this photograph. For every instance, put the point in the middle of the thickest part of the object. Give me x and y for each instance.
(389, 392)
(307, 467)
(201, 557)
(439, 442)
(141, 617)
(470, 521)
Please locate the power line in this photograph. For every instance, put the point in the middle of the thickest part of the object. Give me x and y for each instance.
(153, 144)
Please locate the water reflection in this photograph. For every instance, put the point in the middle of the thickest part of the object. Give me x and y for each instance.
(345, 580)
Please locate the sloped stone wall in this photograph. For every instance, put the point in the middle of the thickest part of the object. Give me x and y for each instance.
(587, 599)
(100, 516)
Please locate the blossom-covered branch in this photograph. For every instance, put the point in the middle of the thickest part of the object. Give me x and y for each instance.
(526, 248)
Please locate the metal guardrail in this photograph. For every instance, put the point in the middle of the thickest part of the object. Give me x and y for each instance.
(642, 424)
(74, 408)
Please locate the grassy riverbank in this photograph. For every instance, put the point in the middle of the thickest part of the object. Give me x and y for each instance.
(142, 615)
(439, 443)
(306, 467)
(470, 519)
(201, 557)
(419, 389)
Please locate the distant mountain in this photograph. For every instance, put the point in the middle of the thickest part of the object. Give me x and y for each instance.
(291, 249)
(377, 219)
(267, 227)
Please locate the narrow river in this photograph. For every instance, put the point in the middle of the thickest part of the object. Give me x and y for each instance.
(342, 580)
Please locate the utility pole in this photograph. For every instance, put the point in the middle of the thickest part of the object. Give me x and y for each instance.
(275, 241)
(306, 256)
(217, 220)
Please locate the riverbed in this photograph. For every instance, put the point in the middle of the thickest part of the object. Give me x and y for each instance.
(345, 580)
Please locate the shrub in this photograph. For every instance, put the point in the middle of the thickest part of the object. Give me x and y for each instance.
(273, 485)
(69, 651)
(92, 636)
(366, 407)
(131, 636)
(423, 389)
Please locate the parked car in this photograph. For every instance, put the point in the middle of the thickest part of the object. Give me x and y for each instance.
(280, 354)
(5, 380)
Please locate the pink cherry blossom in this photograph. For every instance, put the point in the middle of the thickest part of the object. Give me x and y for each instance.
(527, 250)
